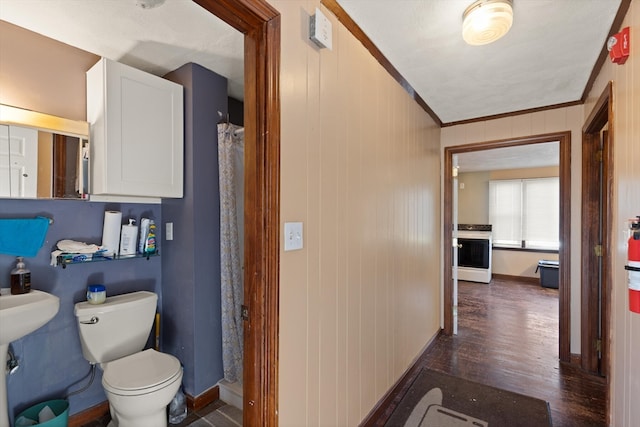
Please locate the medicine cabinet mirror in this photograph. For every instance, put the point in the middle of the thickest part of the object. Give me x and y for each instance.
(42, 156)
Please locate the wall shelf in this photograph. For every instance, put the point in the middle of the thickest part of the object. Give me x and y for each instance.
(72, 259)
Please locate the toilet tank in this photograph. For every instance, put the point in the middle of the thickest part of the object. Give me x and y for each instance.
(118, 327)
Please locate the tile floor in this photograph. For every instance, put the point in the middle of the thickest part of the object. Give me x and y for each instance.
(216, 414)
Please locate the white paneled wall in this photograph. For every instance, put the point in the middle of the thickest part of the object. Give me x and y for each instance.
(360, 168)
(625, 337)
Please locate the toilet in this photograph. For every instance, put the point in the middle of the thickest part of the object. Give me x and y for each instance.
(139, 384)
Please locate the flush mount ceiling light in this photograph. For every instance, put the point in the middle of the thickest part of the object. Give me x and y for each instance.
(485, 21)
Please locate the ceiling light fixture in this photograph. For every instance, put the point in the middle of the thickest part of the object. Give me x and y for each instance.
(485, 21)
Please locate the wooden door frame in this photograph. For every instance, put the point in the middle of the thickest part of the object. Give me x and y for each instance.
(600, 116)
(564, 253)
(260, 23)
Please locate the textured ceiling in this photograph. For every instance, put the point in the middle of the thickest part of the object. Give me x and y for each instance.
(155, 40)
(522, 156)
(545, 59)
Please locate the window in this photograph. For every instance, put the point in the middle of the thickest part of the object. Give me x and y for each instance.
(525, 213)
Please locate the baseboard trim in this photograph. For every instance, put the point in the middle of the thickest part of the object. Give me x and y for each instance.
(198, 402)
(383, 409)
(102, 409)
(575, 359)
(88, 415)
(527, 279)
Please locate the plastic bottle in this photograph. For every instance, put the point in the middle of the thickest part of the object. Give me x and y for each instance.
(128, 237)
(150, 246)
(178, 408)
(20, 278)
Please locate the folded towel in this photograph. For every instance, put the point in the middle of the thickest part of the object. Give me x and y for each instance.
(22, 236)
(74, 251)
(77, 247)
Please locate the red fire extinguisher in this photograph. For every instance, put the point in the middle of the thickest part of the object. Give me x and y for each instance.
(633, 265)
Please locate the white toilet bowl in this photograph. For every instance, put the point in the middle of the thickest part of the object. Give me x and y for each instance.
(140, 386)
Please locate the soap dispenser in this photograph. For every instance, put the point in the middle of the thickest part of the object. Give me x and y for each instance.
(20, 278)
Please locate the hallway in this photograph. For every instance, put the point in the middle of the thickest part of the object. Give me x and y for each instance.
(508, 338)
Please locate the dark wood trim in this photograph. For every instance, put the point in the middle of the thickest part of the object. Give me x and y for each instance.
(604, 54)
(526, 279)
(59, 162)
(350, 24)
(506, 248)
(88, 415)
(513, 113)
(203, 399)
(564, 253)
(260, 24)
(385, 406)
(600, 118)
(576, 359)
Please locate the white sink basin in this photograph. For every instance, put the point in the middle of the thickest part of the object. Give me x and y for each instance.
(22, 314)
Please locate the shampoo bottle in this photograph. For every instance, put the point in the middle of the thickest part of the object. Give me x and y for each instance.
(20, 278)
(128, 238)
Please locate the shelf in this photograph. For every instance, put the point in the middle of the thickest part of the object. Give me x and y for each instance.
(71, 259)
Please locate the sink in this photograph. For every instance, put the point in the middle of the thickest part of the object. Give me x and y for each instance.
(19, 316)
(22, 314)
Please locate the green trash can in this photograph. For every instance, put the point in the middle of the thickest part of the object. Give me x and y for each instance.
(59, 407)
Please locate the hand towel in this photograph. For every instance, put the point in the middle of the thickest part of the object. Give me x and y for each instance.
(22, 236)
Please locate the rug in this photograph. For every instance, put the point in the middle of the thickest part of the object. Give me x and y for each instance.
(435, 399)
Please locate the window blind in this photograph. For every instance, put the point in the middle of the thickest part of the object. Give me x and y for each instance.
(525, 213)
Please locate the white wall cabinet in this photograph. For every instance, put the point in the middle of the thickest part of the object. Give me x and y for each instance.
(137, 135)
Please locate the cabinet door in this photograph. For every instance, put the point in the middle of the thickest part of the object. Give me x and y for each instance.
(139, 145)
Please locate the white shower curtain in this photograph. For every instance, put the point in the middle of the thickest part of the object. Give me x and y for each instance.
(231, 171)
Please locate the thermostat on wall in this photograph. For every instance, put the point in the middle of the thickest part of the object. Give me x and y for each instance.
(320, 29)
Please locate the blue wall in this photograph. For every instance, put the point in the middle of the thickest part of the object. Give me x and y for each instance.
(191, 271)
(51, 361)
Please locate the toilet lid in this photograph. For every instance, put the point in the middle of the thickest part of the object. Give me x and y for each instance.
(140, 371)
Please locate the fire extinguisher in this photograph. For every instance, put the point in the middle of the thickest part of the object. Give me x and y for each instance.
(633, 265)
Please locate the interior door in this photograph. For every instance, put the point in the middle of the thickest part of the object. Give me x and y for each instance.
(596, 257)
(454, 235)
(18, 161)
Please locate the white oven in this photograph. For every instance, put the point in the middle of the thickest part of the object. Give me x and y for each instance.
(474, 252)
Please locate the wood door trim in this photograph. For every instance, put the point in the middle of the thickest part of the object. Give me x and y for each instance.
(260, 23)
(602, 115)
(564, 254)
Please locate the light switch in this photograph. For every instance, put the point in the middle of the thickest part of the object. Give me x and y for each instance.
(168, 231)
(292, 236)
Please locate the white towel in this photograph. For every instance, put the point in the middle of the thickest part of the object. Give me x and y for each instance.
(73, 247)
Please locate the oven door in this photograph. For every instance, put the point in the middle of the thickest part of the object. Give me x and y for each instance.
(473, 252)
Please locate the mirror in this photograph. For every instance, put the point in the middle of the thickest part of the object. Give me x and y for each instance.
(42, 156)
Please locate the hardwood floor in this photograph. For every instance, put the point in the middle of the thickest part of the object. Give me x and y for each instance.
(508, 338)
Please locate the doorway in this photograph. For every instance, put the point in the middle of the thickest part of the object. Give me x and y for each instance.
(260, 24)
(597, 188)
(564, 139)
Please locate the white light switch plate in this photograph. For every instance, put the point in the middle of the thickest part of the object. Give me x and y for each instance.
(292, 236)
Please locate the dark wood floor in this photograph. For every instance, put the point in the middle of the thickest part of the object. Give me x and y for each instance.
(508, 338)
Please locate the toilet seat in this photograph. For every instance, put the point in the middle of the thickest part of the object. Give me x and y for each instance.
(140, 373)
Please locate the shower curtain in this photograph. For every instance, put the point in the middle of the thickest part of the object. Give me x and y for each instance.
(231, 171)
